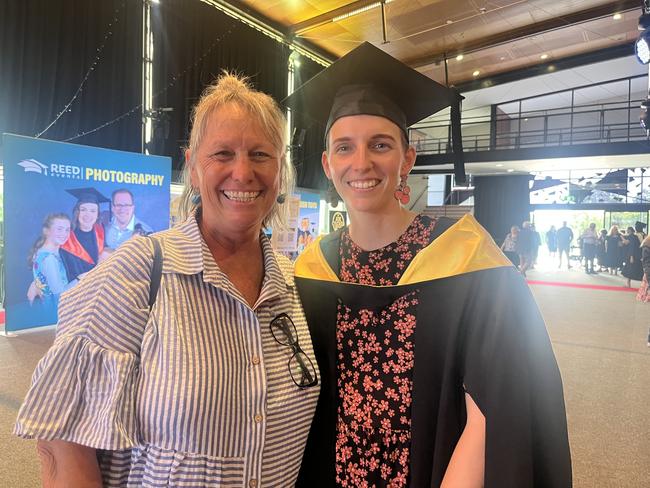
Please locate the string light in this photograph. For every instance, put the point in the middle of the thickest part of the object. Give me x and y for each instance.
(173, 81)
(99, 51)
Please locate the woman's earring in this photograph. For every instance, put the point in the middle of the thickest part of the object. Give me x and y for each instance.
(403, 191)
(282, 197)
(196, 199)
(332, 196)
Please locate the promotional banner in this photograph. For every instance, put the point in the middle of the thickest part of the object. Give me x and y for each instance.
(303, 223)
(67, 208)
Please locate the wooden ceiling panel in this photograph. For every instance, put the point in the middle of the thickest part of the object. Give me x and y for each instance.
(507, 35)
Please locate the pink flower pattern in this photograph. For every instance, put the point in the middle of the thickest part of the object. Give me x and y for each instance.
(375, 354)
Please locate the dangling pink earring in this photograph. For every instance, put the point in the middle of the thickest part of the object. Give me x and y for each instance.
(403, 191)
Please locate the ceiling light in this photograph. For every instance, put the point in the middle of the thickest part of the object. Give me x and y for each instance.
(499, 165)
(642, 47)
(459, 57)
(544, 56)
(511, 170)
(476, 73)
(617, 16)
(449, 21)
(360, 10)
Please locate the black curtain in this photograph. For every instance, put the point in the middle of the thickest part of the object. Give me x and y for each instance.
(309, 172)
(193, 43)
(501, 202)
(47, 47)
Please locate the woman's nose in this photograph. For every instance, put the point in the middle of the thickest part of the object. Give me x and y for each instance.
(242, 168)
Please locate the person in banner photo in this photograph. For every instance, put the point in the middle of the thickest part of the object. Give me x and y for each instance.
(184, 359)
(124, 223)
(85, 246)
(436, 366)
(50, 277)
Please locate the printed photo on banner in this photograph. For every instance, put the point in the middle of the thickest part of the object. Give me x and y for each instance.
(303, 224)
(67, 208)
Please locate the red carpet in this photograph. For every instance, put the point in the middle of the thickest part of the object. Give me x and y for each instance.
(579, 285)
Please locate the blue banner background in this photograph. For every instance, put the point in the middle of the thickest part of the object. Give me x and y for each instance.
(29, 196)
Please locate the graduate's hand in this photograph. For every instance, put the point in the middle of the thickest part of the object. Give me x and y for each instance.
(466, 468)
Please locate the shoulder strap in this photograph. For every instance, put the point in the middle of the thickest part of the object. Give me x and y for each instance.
(156, 272)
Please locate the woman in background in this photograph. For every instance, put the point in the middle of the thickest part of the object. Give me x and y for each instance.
(613, 243)
(509, 246)
(551, 241)
(631, 251)
(644, 291)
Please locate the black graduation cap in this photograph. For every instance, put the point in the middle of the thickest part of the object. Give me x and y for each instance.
(368, 81)
(639, 226)
(88, 195)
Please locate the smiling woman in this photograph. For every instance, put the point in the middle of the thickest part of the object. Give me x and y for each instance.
(194, 389)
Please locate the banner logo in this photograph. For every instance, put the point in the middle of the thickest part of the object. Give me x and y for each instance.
(33, 166)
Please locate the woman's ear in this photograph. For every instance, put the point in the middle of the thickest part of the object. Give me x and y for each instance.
(409, 160)
(326, 165)
(193, 176)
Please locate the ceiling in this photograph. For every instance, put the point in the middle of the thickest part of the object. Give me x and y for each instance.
(493, 36)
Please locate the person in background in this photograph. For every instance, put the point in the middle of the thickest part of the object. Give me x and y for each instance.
(537, 241)
(600, 250)
(214, 384)
(613, 244)
(509, 246)
(589, 244)
(124, 224)
(551, 241)
(631, 253)
(639, 229)
(421, 327)
(643, 294)
(85, 246)
(564, 239)
(525, 245)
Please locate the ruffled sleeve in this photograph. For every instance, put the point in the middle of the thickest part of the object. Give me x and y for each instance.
(84, 389)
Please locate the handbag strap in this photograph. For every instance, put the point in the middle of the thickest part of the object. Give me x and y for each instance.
(156, 272)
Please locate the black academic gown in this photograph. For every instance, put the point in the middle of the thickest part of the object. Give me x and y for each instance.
(478, 330)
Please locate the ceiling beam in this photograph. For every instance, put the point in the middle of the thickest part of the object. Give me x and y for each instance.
(327, 17)
(528, 31)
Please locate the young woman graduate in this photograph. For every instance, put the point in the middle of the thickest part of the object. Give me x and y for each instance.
(83, 249)
(436, 366)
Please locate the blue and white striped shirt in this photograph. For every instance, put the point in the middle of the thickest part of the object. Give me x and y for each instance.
(195, 394)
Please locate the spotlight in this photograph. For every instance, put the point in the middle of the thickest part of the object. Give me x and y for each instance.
(459, 57)
(617, 16)
(476, 73)
(642, 47)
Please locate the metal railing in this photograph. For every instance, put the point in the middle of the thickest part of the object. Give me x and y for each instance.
(599, 123)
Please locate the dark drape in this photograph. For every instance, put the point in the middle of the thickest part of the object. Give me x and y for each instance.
(308, 157)
(47, 47)
(193, 43)
(501, 202)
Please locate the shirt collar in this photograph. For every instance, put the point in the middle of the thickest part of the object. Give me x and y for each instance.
(186, 252)
(129, 227)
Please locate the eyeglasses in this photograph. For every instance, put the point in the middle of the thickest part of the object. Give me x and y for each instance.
(302, 370)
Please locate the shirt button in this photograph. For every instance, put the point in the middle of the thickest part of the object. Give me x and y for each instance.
(256, 360)
(258, 418)
(252, 483)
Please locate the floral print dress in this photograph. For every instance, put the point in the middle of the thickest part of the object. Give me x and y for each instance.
(375, 357)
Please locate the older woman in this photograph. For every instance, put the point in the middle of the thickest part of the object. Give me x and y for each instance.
(216, 382)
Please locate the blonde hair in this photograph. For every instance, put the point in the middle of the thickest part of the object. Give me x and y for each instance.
(612, 229)
(231, 88)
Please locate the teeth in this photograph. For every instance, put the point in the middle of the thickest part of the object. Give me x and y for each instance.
(242, 196)
(363, 184)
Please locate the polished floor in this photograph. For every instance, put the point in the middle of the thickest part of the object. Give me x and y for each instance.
(599, 337)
